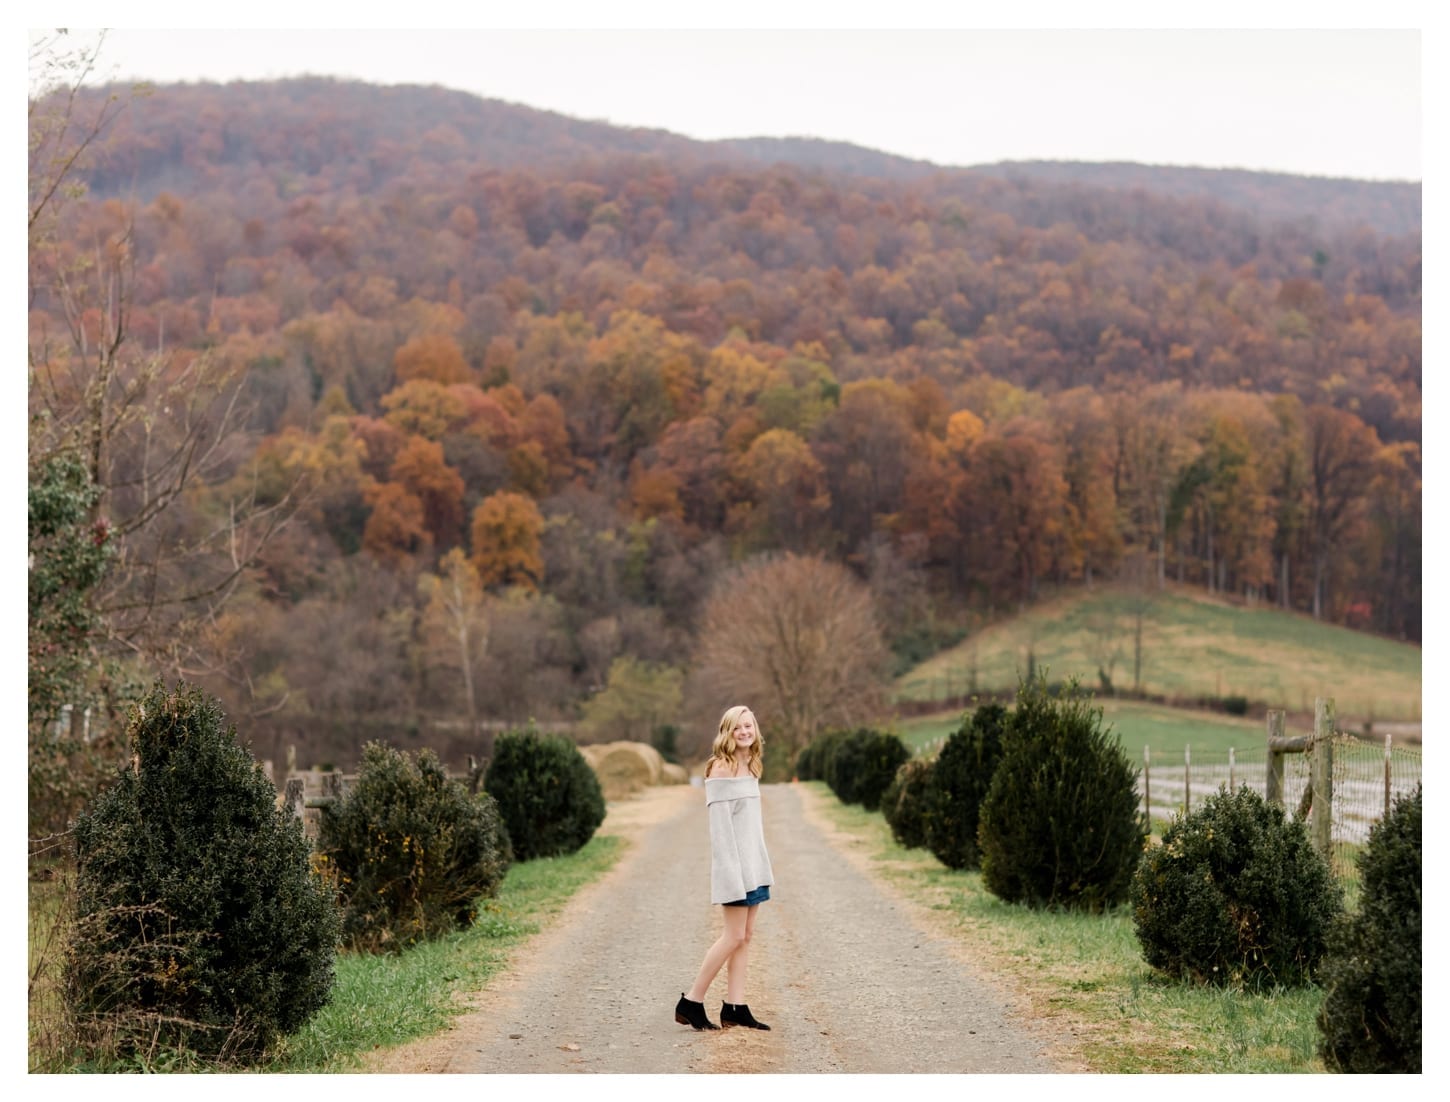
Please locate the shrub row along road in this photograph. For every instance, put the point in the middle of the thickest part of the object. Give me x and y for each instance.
(848, 978)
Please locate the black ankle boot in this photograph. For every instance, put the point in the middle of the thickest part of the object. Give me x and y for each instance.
(692, 1014)
(739, 1014)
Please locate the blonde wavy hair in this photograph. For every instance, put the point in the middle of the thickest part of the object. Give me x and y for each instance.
(722, 752)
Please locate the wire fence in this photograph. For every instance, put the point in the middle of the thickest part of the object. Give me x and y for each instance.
(1367, 778)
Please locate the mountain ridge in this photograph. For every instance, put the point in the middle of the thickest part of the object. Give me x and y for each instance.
(507, 134)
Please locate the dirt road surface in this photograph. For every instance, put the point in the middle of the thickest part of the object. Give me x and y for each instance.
(850, 976)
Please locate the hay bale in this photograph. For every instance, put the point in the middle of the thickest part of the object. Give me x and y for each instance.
(674, 774)
(623, 768)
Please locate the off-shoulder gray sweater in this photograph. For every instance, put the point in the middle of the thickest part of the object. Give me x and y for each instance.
(738, 861)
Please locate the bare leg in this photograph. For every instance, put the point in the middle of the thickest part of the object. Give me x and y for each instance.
(739, 962)
(727, 943)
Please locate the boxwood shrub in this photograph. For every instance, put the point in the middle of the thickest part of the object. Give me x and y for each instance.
(548, 795)
(959, 784)
(1060, 825)
(410, 851)
(1372, 974)
(1235, 895)
(199, 924)
(862, 763)
(811, 762)
(903, 804)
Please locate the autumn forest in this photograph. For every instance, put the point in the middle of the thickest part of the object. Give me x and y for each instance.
(435, 407)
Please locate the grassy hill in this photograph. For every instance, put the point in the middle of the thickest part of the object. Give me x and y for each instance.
(1193, 647)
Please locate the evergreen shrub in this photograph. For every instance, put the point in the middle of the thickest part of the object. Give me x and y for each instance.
(1060, 825)
(882, 755)
(199, 923)
(548, 795)
(843, 763)
(862, 763)
(666, 738)
(811, 762)
(959, 783)
(831, 749)
(1370, 1018)
(903, 804)
(1235, 896)
(410, 851)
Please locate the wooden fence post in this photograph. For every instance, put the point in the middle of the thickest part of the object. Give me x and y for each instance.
(1388, 739)
(295, 795)
(1147, 803)
(1323, 774)
(1186, 775)
(1231, 785)
(1274, 775)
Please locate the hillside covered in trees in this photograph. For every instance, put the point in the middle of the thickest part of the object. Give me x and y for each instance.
(507, 394)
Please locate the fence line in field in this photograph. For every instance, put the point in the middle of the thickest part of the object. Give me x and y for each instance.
(306, 792)
(1363, 779)
(1360, 782)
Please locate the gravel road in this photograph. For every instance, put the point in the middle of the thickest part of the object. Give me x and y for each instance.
(849, 979)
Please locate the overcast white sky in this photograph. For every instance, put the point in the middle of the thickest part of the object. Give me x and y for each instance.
(1330, 102)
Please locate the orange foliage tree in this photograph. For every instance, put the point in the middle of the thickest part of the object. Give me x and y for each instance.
(395, 529)
(422, 470)
(506, 541)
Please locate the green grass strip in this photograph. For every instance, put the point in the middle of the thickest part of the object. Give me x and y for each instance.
(382, 1001)
(1087, 972)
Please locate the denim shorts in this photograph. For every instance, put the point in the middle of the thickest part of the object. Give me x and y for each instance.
(752, 897)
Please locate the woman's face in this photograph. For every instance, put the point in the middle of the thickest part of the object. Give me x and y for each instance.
(744, 731)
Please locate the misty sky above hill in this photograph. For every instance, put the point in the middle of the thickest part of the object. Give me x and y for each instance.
(1314, 102)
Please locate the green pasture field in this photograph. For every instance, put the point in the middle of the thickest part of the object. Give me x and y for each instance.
(1088, 973)
(1162, 729)
(1192, 647)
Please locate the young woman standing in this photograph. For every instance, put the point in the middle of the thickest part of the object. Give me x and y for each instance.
(740, 875)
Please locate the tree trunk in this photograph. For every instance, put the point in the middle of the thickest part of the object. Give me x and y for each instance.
(1318, 604)
(1208, 540)
(1138, 650)
(1162, 540)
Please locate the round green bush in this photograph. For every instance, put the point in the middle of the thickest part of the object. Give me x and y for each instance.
(959, 783)
(410, 851)
(839, 762)
(1060, 825)
(903, 804)
(811, 762)
(199, 923)
(861, 763)
(1234, 895)
(883, 754)
(548, 795)
(1370, 1018)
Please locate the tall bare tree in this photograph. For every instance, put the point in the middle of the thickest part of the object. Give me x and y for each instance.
(1341, 450)
(455, 631)
(160, 430)
(795, 637)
